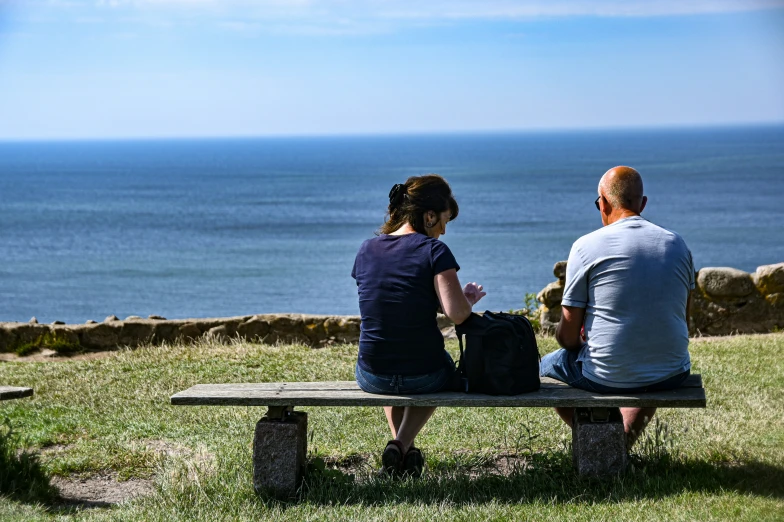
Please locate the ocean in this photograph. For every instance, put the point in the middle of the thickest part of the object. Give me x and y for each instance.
(222, 227)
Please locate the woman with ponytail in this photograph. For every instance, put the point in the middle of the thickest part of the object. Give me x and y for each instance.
(405, 275)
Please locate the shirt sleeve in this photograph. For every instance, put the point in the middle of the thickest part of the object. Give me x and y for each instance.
(356, 261)
(691, 271)
(576, 290)
(442, 258)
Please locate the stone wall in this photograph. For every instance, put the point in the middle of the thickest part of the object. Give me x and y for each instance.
(725, 300)
(313, 330)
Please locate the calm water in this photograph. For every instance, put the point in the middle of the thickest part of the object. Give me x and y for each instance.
(198, 228)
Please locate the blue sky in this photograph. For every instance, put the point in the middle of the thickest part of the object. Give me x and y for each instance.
(158, 68)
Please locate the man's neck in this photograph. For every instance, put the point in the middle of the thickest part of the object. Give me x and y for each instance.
(621, 214)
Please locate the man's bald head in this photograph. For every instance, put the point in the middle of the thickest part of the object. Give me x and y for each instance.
(622, 187)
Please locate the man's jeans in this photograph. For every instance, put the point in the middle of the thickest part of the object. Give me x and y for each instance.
(563, 365)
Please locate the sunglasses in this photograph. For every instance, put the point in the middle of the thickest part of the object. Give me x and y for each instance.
(597, 203)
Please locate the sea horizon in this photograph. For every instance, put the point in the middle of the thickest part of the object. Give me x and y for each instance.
(409, 133)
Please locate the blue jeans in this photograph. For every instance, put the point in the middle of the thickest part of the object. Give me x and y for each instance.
(440, 380)
(563, 366)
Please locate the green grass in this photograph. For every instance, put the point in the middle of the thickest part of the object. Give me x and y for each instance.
(56, 341)
(113, 415)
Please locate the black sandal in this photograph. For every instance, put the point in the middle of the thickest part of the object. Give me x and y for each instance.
(392, 458)
(413, 463)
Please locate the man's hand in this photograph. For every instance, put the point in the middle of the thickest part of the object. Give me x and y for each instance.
(570, 334)
(473, 293)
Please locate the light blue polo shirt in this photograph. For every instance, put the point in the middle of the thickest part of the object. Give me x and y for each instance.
(633, 279)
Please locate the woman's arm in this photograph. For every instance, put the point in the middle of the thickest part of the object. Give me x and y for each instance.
(453, 298)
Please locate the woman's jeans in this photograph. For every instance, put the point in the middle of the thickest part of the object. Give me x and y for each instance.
(563, 365)
(440, 380)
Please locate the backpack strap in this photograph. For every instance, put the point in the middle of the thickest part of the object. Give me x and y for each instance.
(471, 366)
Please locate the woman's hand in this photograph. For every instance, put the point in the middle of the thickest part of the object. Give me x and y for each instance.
(473, 293)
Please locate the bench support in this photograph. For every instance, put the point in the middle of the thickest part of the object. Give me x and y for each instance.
(279, 451)
(598, 442)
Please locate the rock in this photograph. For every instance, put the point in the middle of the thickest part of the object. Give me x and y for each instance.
(550, 315)
(255, 329)
(725, 282)
(314, 329)
(156, 318)
(90, 321)
(549, 319)
(23, 333)
(101, 336)
(776, 300)
(57, 322)
(559, 271)
(551, 295)
(67, 335)
(770, 279)
(189, 331)
(133, 318)
(6, 340)
(135, 333)
(344, 329)
(443, 321)
(286, 328)
(111, 318)
(167, 331)
(231, 323)
(204, 324)
(725, 316)
(449, 332)
(218, 334)
(33, 320)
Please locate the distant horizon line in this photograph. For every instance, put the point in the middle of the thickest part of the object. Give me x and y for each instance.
(382, 134)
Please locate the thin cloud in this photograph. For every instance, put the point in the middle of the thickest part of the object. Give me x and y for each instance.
(403, 9)
(569, 8)
(346, 17)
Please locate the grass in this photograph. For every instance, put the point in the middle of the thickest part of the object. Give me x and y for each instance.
(56, 341)
(21, 474)
(112, 415)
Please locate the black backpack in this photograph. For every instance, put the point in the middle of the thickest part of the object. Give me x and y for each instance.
(500, 355)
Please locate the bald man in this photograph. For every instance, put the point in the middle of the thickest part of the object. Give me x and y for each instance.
(628, 285)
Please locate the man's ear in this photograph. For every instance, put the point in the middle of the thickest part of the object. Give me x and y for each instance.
(605, 206)
(644, 201)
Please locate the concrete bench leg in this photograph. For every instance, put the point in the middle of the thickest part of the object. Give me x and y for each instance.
(598, 442)
(279, 451)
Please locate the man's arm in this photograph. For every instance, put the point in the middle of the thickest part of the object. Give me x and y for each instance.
(568, 332)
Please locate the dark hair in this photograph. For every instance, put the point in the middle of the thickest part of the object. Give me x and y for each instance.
(409, 201)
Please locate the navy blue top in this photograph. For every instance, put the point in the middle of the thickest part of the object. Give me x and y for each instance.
(398, 303)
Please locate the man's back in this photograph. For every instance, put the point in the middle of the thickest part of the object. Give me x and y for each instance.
(633, 278)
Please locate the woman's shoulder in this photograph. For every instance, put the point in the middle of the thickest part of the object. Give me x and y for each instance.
(375, 242)
(417, 240)
(435, 244)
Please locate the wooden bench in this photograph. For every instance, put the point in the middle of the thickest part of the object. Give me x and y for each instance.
(280, 442)
(11, 392)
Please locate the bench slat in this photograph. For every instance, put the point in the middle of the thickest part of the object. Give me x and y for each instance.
(12, 392)
(347, 393)
(693, 381)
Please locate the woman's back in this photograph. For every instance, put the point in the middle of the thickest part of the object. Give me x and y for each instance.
(398, 303)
